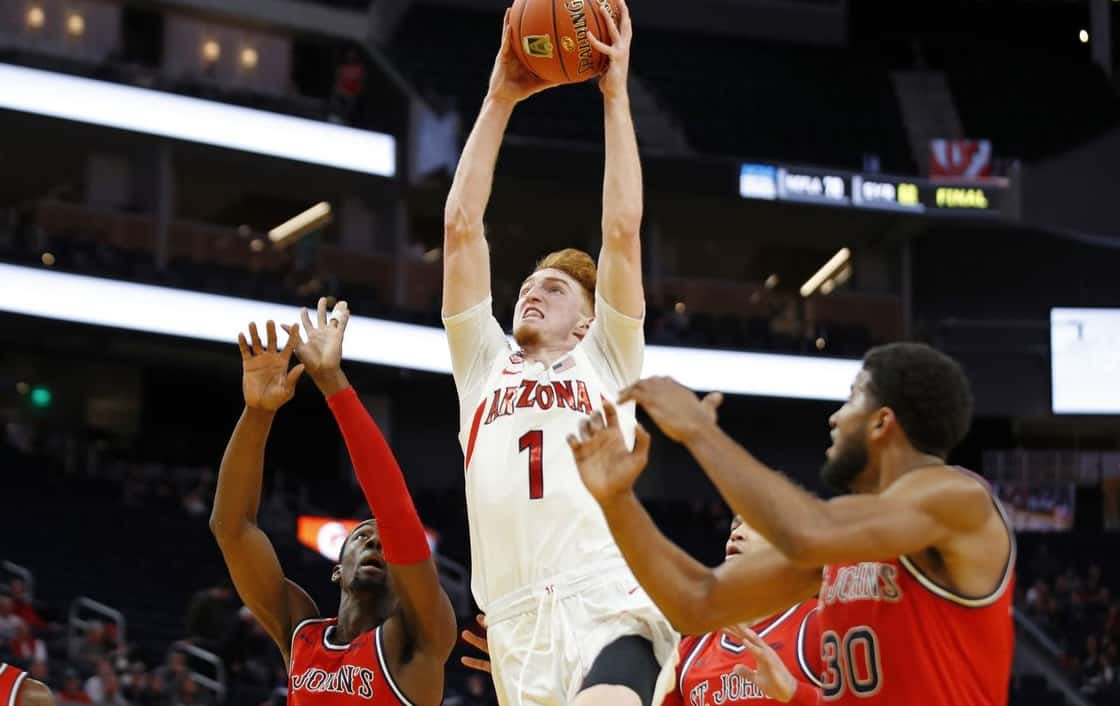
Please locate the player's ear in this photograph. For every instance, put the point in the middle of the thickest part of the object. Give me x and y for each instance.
(336, 573)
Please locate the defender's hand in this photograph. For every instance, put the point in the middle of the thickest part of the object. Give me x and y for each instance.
(480, 643)
(608, 468)
(321, 353)
(266, 381)
(673, 407)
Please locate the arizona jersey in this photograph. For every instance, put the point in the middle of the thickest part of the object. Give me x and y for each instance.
(705, 671)
(324, 673)
(530, 515)
(11, 681)
(892, 635)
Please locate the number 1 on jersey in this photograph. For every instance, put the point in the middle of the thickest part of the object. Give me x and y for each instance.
(533, 441)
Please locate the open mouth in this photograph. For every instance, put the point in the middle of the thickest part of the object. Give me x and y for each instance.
(372, 563)
(531, 313)
(731, 551)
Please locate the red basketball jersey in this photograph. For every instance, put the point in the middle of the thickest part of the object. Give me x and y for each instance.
(705, 671)
(11, 681)
(891, 635)
(323, 673)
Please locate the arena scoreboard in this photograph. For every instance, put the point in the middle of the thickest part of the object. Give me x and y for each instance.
(824, 187)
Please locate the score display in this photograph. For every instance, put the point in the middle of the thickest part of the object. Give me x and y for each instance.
(873, 192)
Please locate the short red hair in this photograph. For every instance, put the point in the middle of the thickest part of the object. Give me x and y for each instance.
(576, 264)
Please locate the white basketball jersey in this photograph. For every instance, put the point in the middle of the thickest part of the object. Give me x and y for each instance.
(530, 515)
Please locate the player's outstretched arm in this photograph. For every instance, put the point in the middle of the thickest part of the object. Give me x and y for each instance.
(922, 509)
(466, 257)
(425, 626)
(695, 598)
(620, 262)
(278, 604)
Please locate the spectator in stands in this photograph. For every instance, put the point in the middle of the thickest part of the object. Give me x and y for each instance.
(72, 691)
(89, 650)
(111, 691)
(211, 615)
(95, 685)
(10, 623)
(21, 605)
(189, 694)
(25, 647)
(137, 687)
(174, 671)
(349, 84)
(248, 651)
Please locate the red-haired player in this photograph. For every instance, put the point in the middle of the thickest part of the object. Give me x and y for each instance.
(568, 622)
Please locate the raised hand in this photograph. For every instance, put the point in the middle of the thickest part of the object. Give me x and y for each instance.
(614, 79)
(480, 643)
(321, 352)
(510, 80)
(770, 674)
(266, 381)
(675, 409)
(608, 468)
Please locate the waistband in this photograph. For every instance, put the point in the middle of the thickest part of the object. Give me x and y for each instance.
(557, 587)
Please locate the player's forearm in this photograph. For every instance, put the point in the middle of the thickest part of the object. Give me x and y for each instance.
(402, 534)
(622, 178)
(769, 502)
(474, 176)
(239, 479)
(674, 580)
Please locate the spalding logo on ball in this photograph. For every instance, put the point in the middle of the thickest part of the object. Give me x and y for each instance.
(540, 26)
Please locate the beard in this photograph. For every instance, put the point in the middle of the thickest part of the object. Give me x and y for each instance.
(362, 583)
(841, 470)
(526, 335)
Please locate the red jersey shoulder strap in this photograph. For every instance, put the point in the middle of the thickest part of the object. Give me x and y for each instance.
(383, 663)
(11, 681)
(808, 628)
(693, 653)
(1008, 569)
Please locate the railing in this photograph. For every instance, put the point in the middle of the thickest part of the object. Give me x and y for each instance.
(78, 625)
(216, 683)
(24, 573)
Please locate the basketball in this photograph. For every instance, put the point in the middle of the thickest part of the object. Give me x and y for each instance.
(550, 37)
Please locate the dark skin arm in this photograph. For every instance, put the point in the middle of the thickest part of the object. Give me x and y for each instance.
(695, 598)
(929, 507)
(420, 635)
(277, 603)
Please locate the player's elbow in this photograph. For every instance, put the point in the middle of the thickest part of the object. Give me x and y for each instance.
(459, 229)
(622, 228)
(693, 615)
(223, 529)
(804, 546)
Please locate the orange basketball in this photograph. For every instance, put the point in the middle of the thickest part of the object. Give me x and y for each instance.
(550, 37)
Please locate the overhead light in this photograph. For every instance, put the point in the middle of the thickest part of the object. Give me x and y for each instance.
(433, 256)
(211, 51)
(97, 301)
(47, 259)
(162, 114)
(75, 25)
(256, 245)
(249, 58)
(828, 287)
(679, 307)
(771, 281)
(1083, 35)
(22, 388)
(821, 343)
(313, 218)
(827, 272)
(35, 18)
